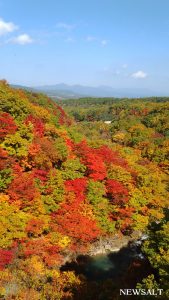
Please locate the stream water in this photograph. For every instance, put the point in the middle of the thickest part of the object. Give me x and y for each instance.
(105, 266)
(104, 275)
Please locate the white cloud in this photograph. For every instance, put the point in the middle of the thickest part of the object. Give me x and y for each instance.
(104, 42)
(22, 39)
(69, 40)
(111, 72)
(117, 72)
(106, 69)
(65, 26)
(124, 66)
(6, 27)
(139, 75)
(91, 38)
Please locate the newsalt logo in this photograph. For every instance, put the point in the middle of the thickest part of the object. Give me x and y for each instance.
(141, 292)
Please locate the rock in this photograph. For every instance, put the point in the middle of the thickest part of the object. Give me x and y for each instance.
(106, 244)
(112, 244)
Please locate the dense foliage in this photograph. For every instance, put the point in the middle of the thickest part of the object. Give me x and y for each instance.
(136, 123)
(63, 185)
(157, 250)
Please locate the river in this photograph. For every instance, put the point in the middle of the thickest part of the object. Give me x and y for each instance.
(104, 274)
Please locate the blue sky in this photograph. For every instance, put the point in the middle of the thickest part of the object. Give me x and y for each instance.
(120, 43)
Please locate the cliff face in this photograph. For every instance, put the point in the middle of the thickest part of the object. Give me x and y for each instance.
(106, 245)
(112, 244)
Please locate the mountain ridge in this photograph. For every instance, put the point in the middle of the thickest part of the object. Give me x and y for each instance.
(62, 90)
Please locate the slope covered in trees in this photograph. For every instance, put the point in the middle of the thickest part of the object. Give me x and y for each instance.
(136, 123)
(64, 185)
(138, 128)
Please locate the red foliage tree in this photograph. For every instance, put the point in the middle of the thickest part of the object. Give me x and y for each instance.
(96, 168)
(3, 158)
(7, 124)
(35, 226)
(71, 218)
(73, 223)
(6, 257)
(78, 186)
(46, 155)
(22, 188)
(34, 149)
(43, 248)
(38, 125)
(69, 143)
(125, 212)
(63, 118)
(117, 192)
(41, 174)
(109, 156)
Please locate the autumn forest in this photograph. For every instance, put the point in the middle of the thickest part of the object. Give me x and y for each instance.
(73, 172)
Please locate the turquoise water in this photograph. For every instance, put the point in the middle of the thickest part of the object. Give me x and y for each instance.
(102, 276)
(101, 267)
(102, 263)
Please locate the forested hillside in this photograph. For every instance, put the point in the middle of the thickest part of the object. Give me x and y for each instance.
(64, 184)
(136, 123)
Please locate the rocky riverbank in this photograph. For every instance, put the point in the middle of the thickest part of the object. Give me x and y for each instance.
(105, 245)
(112, 244)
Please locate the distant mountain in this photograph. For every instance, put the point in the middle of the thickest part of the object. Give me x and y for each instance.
(18, 86)
(60, 92)
(65, 91)
(101, 91)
